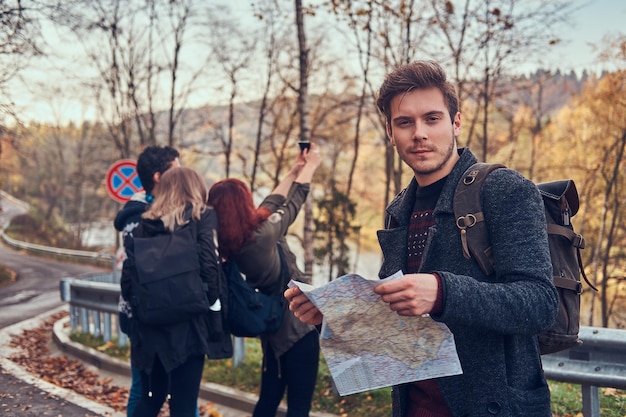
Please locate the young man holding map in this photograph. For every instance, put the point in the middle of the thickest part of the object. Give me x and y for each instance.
(494, 319)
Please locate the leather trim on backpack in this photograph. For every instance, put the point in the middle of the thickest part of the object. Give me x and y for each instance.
(470, 218)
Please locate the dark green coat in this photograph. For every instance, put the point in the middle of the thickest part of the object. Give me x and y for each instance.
(260, 261)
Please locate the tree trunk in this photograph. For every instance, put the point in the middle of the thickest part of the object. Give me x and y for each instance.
(303, 110)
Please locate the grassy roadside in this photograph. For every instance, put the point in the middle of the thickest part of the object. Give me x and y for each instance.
(247, 376)
(566, 398)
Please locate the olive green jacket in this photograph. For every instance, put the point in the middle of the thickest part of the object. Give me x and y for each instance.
(260, 261)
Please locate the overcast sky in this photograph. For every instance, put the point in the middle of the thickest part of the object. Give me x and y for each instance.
(594, 20)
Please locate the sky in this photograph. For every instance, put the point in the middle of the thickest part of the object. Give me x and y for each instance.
(590, 23)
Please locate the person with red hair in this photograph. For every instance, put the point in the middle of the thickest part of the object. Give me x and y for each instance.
(249, 236)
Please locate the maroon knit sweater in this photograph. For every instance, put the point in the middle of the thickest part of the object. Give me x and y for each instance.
(424, 398)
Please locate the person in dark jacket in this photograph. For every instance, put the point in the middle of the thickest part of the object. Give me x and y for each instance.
(494, 319)
(152, 162)
(171, 357)
(249, 236)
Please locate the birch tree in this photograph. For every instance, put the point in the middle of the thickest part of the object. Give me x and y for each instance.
(304, 136)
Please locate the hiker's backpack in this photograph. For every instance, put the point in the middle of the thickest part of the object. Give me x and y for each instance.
(560, 200)
(250, 312)
(168, 287)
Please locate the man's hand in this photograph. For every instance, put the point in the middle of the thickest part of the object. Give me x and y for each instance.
(302, 307)
(411, 295)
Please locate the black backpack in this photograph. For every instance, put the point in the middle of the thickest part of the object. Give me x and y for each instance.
(168, 287)
(560, 199)
(250, 312)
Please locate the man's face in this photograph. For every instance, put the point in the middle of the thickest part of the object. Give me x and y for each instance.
(423, 134)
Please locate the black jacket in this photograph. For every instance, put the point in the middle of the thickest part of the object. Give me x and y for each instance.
(126, 220)
(130, 215)
(202, 335)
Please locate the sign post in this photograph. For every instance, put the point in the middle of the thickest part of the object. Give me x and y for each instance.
(122, 183)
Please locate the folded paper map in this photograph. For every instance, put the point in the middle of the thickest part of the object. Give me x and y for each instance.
(368, 346)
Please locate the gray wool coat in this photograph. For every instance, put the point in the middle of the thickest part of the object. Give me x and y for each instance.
(494, 318)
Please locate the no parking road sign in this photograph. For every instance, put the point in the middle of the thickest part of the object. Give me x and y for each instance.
(122, 180)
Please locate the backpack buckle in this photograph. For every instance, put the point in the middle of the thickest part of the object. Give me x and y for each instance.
(578, 241)
(463, 222)
(470, 177)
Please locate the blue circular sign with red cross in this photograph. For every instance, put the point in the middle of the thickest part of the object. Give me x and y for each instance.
(122, 180)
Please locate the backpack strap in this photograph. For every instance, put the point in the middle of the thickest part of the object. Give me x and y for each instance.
(284, 271)
(193, 226)
(470, 218)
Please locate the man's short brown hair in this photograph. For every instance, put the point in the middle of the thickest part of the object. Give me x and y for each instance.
(416, 76)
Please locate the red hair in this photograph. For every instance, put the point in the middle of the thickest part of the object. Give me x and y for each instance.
(237, 216)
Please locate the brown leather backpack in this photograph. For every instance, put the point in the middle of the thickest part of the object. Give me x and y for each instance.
(560, 199)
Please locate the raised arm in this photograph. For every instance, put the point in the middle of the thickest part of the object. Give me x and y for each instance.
(284, 185)
(312, 161)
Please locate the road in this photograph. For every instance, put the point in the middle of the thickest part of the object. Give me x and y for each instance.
(36, 289)
(34, 292)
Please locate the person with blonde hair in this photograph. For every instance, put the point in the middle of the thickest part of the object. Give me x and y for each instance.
(152, 162)
(170, 357)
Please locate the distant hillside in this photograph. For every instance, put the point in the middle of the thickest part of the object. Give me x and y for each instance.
(554, 89)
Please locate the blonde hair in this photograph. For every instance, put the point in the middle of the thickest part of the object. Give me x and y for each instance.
(178, 187)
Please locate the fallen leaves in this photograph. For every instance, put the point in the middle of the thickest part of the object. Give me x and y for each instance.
(33, 354)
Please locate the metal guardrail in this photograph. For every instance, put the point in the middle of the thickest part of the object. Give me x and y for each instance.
(95, 295)
(22, 204)
(93, 303)
(599, 362)
(32, 247)
(98, 256)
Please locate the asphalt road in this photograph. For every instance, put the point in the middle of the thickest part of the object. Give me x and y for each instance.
(34, 292)
(36, 289)
(21, 399)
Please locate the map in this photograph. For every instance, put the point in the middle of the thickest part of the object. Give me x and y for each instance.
(368, 346)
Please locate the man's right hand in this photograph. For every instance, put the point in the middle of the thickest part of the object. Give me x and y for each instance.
(302, 307)
(410, 295)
